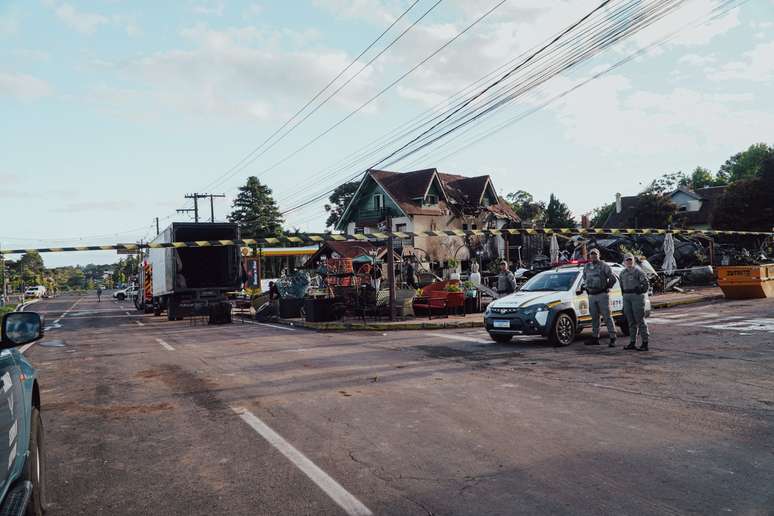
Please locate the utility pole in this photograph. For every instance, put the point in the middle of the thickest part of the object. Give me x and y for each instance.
(157, 227)
(196, 197)
(391, 267)
(212, 204)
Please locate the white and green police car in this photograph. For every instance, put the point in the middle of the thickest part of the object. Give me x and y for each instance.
(553, 304)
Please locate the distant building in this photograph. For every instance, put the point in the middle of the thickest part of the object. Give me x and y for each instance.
(427, 200)
(694, 207)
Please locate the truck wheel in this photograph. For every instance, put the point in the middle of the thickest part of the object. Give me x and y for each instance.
(156, 309)
(121, 296)
(562, 330)
(171, 310)
(35, 466)
(501, 338)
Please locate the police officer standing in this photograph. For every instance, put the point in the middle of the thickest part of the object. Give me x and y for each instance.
(599, 279)
(506, 282)
(634, 284)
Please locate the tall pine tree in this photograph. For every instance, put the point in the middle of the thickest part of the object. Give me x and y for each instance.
(558, 215)
(255, 211)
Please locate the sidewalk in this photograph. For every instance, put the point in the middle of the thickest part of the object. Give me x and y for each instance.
(694, 295)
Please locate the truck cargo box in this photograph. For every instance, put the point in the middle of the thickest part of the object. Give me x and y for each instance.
(190, 269)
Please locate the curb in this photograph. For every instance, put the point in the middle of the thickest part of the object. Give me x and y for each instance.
(21, 307)
(689, 301)
(338, 326)
(441, 325)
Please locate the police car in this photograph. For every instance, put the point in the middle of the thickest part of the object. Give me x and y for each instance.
(553, 304)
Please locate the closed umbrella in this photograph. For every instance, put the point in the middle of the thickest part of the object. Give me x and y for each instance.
(669, 264)
(554, 249)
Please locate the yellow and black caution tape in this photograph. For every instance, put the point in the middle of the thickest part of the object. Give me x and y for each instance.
(313, 238)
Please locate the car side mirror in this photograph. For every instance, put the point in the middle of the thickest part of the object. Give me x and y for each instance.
(580, 290)
(20, 328)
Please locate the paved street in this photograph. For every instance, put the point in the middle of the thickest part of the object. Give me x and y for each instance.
(146, 416)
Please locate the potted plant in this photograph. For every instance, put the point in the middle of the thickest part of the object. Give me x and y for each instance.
(456, 297)
(453, 265)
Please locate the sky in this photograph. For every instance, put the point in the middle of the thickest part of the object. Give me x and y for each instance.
(111, 111)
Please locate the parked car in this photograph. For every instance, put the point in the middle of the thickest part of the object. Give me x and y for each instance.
(22, 486)
(128, 292)
(551, 304)
(37, 291)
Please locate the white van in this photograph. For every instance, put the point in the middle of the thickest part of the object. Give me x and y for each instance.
(37, 291)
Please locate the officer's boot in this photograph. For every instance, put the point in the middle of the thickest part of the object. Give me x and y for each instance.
(644, 346)
(611, 344)
(632, 345)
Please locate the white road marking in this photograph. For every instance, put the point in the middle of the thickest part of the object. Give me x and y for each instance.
(343, 498)
(139, 323)
(165, 345)
(746, 325)
(462, 338)
(659, 320)
(279, 327)
(710, 322)
(56, 325)
(692, 315)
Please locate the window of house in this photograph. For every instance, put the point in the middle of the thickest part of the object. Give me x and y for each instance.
(464, 227)
(359, 230)
(431, 200)
(400, 228)
(473, 226)
(378, 201)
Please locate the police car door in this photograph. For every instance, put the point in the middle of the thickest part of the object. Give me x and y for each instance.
(10, 406)
(616, 296)
(580, 301)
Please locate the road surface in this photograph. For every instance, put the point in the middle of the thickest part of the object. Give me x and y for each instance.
(146, 416)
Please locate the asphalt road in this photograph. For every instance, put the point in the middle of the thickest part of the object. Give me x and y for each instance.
(146, 416)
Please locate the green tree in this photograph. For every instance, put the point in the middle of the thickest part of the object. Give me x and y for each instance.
(558, 215)
(339, 200)
(600, 214)
(76, 279)
(526, 207)
(255, 211)
(702, 177)
(748, 204)
(650, 211)
(667, 183)
(745, 164)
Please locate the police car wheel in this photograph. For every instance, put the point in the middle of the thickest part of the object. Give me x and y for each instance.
(35, 466)
(563, 330)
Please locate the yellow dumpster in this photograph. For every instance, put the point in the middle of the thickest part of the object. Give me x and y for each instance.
(746, 281)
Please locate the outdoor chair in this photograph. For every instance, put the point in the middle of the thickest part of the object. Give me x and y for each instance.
(438, 301)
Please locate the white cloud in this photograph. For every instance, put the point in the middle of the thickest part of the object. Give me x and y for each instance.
(253, 10)
(370, 10)
(22, 86)
(212, 8)
(83, 22)
(9, 22)
(757, 66)
(237, 72)
(613, 117)
(95, 206)
(696, 60)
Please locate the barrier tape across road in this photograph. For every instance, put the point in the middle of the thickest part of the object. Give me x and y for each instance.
(307, 238)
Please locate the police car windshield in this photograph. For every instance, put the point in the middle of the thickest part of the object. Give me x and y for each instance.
(551, 281)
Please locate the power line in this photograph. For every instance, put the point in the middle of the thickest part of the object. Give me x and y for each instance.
(381, 92)
(620, 32)
(246, 160)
